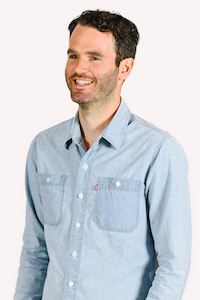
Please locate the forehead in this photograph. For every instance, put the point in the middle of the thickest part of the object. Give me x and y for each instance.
(86, 38)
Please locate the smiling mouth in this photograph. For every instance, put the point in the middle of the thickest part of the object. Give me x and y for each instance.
(83, 82)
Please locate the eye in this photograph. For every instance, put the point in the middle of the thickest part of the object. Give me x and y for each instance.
(73, 56)
(94, 58)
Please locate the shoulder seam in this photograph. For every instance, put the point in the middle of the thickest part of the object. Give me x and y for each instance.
(151, 126)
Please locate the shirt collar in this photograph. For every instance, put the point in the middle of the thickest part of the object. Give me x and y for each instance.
(113, 133)
(115, 130)
(75, 133)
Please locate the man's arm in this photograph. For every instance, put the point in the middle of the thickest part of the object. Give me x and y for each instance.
(167, 192)
(34, 257)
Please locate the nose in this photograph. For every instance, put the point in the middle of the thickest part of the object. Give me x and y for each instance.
(81, 66)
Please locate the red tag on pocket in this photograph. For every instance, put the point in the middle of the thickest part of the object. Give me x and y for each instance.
(96, 187)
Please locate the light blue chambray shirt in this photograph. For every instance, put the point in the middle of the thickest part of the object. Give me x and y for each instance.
(96, 218)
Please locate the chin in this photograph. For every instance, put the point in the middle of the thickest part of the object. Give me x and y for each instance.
(81, 100)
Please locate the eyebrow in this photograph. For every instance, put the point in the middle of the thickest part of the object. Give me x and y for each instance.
(69, 51)
(95, 53)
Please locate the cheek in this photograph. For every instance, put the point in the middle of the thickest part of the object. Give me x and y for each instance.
(68, 70)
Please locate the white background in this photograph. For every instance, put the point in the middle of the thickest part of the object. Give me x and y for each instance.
(163, 89)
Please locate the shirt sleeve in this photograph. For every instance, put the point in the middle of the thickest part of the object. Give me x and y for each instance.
(34, 257)
(168, 198)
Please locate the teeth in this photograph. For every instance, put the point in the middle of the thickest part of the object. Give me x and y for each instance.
(83, 82)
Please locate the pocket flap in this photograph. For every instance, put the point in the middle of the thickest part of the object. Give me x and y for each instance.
(52, 179)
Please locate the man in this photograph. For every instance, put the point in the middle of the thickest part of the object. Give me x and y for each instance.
(107, 192)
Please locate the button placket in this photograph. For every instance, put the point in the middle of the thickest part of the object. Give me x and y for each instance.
(75, 246)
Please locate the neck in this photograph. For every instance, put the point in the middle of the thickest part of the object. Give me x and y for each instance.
(94, 122)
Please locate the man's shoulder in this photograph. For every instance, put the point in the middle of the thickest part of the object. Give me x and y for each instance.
(56, 133)
(148, 128)
(60, 127)
(152, 138)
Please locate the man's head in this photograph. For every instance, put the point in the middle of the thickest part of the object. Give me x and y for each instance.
(101, 55)
(125, 32)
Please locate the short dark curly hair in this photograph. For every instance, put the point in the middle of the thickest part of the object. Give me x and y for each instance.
(124, 31)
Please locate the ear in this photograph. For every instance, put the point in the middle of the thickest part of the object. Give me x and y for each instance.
(125, 68)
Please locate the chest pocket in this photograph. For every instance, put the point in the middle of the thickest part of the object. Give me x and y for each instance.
(117, 204)
(52, 193)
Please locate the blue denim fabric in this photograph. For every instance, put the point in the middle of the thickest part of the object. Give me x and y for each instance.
(95, 219)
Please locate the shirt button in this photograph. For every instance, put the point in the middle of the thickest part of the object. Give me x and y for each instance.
(85, 166)
(118, 183)
(80, 195)
(47, 179)
(70, 283)
(78, 225)
(74, 254)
